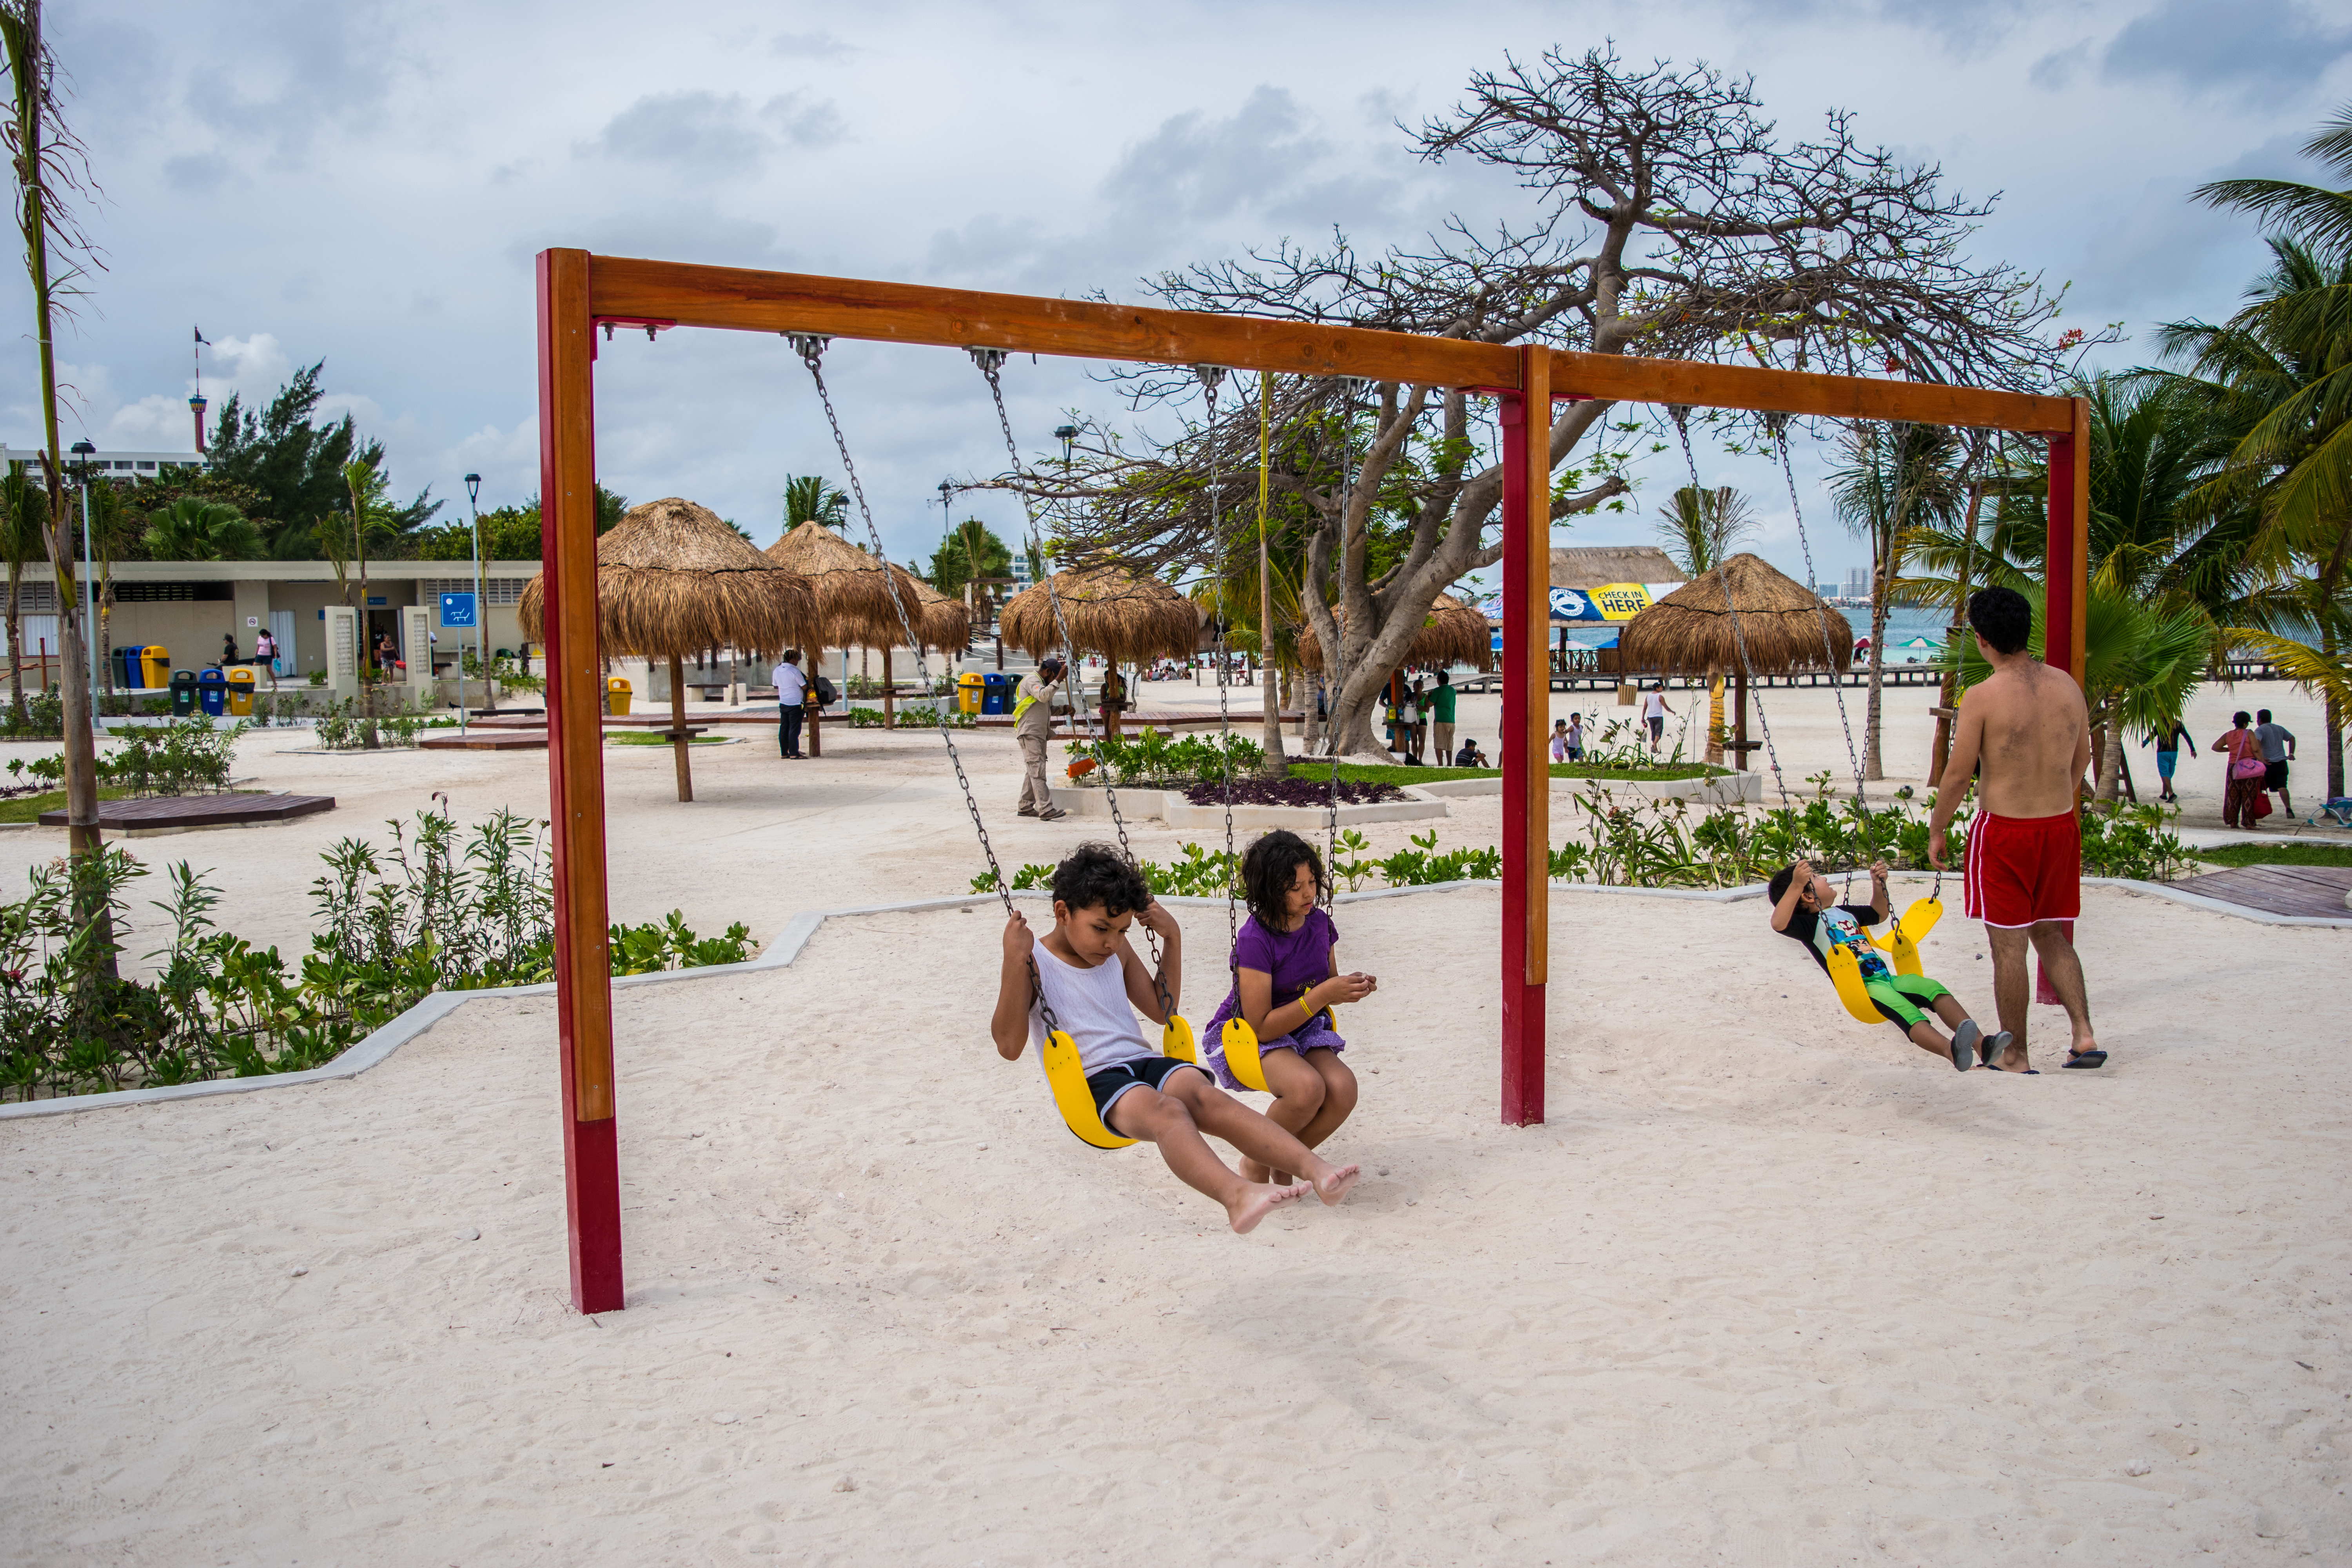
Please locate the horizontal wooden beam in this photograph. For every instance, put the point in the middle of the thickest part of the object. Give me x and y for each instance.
(1694, 382)
(1082, 329)
(624, 289)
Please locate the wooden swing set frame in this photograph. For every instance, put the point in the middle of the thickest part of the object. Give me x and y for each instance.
(580, 293)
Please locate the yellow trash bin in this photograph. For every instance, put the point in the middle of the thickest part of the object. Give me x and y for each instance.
(158, 660)
(616, 695)
(240, 691)
(968, 690)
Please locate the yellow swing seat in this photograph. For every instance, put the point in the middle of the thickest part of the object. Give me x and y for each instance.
(1902, 940)
(1241, 1057)
(1066, 1075)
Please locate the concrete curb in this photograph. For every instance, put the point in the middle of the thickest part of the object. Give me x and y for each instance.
(780, 953)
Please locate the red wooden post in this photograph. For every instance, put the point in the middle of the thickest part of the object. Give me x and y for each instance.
(1526, 705)
(575, 778)
(2066, 564)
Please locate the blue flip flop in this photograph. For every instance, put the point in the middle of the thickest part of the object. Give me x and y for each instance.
(2086, 1058)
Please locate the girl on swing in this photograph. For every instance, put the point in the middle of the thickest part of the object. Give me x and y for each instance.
(1285, 978)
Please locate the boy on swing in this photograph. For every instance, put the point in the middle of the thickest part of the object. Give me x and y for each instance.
(1805, 908)
(1095, 984)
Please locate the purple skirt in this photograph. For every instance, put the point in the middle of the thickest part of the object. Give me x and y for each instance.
(1315, 1035)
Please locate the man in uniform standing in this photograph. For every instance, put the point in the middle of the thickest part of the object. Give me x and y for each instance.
(1033, 726)
(792, 692)
(2027, 724)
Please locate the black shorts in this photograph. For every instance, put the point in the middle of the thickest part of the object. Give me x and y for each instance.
(2274, 774)
(1144, 1072)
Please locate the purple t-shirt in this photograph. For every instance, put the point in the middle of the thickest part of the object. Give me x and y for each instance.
(1299, 960)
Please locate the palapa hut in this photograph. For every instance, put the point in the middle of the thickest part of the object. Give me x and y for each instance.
(853, 596)
(1127, 619)
(945, 623)
(673, 579)
(1453, 634)
(1781, 625)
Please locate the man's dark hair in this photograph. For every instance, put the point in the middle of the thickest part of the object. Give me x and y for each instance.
(1445, 678)
(2002, 618)
(2261, 715)
(1269, 867)
(791, 656)
(1780, 880)
(1097, 873)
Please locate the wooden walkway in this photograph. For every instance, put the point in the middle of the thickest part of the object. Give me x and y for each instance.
(2277, 889)
(179, 812)
(502, 739)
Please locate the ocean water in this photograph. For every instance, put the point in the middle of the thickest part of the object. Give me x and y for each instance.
(1903, 624)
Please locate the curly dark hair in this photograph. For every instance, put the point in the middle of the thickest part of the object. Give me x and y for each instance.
(1268, 867)
(1097, 873)
(2002, 618)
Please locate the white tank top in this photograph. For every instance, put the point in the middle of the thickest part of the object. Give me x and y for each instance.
(1092, 1008)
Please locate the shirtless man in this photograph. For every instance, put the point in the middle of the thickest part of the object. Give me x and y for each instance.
(2026, 723)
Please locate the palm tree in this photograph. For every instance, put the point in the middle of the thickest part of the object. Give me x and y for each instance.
(810, 498)
(1898, 480)
(2276, 378)
(1700, 527)
(191, 530)
(23, 514)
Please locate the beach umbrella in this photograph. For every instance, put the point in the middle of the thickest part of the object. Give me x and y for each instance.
(672, 579)
(1690, 632)
(854, 596)
(1125, 619)
(1453, 633)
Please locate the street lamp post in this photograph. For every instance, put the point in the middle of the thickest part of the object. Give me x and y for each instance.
(82, 451)
(481, 616)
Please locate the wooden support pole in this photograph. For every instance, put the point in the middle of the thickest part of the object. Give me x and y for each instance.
(2066, 566)
(678, 739)
(575, 769)
(1527, 707)
(889, 698)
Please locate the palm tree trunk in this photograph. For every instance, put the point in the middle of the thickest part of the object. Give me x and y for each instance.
(15, 649)
(2110, 747)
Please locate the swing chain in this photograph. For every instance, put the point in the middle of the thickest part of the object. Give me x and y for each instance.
(1350, 388)
(991, 360)
(1211, 376)
(1778, 424)
(811, 348)
(1680, 413)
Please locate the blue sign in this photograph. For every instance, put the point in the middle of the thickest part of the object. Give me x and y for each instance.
(456, 609)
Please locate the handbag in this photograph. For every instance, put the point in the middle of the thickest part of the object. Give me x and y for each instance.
(2249, 766)
(2262, 806)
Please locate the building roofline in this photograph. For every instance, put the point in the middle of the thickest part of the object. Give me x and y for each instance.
(290, 570)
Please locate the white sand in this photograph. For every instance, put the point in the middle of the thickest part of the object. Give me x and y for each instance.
(1769, 1288)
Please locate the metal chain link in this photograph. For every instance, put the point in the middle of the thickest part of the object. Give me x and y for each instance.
(811, 348)
(1211, 376)
(1680, 413)
(1778, 426)
(991, 361)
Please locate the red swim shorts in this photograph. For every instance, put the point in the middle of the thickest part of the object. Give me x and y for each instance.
(2021, 870)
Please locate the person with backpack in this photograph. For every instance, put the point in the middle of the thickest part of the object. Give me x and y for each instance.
(792, 702)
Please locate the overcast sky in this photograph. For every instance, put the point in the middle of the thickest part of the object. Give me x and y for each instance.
(366, 185)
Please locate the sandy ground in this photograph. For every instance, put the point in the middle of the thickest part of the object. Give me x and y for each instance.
(1768, 1287)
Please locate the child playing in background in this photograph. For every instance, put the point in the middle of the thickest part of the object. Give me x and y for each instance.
(1805, 908)
(1085, 968)
(1286, 975)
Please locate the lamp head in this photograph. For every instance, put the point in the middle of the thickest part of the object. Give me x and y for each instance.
(82, 452)
(473, 488)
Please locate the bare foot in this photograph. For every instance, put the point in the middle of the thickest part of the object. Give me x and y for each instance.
(1256, 1203)
(1333, 1188)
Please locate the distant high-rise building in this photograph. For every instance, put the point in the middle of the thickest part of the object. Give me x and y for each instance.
(1857, 583)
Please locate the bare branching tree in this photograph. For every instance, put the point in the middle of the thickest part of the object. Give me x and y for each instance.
(1668, 219)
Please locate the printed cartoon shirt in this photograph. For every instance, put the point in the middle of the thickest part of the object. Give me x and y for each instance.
(1840, 925)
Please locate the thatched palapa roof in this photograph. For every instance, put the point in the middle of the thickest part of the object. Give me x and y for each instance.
(672, 578)
(1453, 634)
(944, 623)
(1587, 567)
(853, 597)
(1689, 632)
(1125, 619)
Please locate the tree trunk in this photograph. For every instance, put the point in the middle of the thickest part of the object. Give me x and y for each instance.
(890, 694)
(1871, 768)
(2335, 744)
(1715, 718)
(2107, 743)
(15, 649)
(1311, 726)
(1948, 689)
(677, 740)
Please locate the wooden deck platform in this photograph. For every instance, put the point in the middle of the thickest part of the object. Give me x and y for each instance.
(2277, 889)
(185, 813)
(501, 739)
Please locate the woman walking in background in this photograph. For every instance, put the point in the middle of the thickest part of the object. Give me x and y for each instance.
(2167, 741)
(2243, 772)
